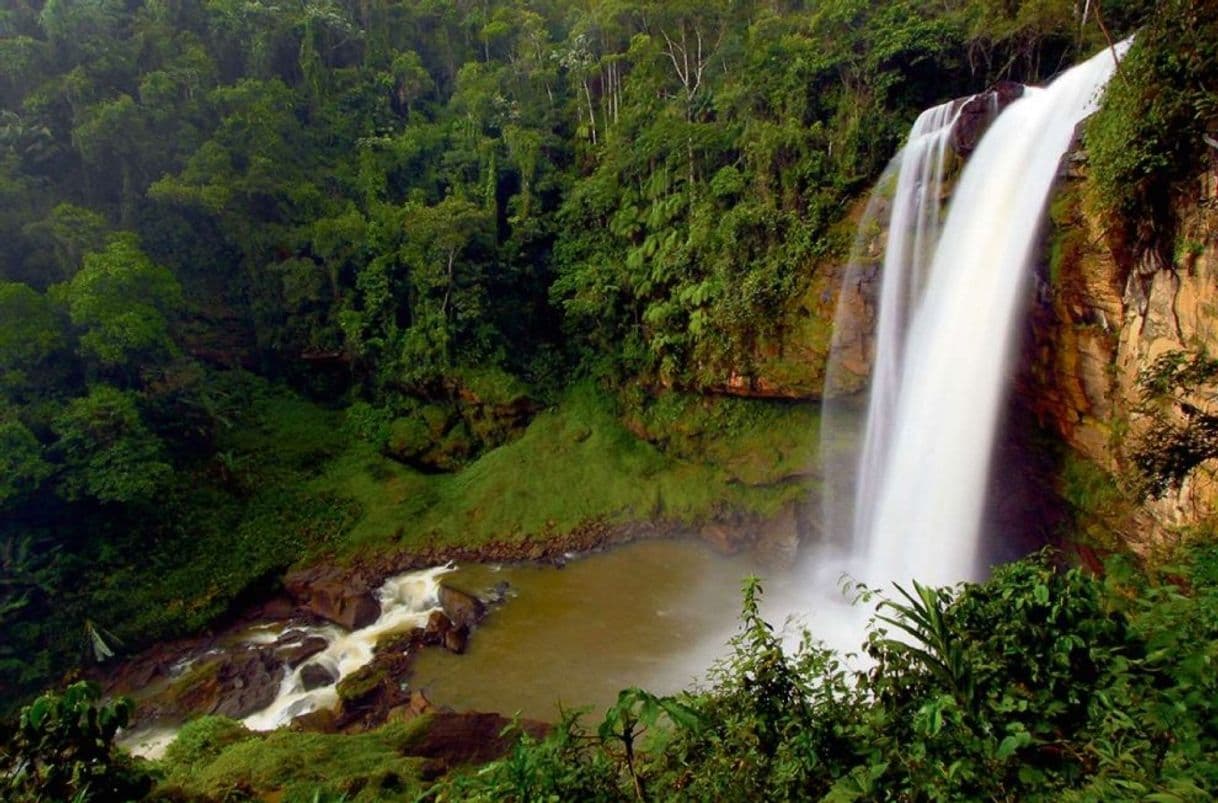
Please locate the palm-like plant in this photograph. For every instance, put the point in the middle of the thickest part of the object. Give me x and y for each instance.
(932, 642)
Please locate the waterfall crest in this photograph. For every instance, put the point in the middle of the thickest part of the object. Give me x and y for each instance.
(949, 304)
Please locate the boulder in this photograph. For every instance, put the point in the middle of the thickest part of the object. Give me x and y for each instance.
(456, 639)
(316, 674)
(457, 739)
(438, 626)
(296, 651)
(347, 601)
(463, 609)
(323, 720)
(441, 632)
(416, 707)
(234, 685)
(979, 111)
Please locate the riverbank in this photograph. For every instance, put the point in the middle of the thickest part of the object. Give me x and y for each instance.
(298, 488)
(238, 669)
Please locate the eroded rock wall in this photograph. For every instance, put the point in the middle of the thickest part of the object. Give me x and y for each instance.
(1122, 358)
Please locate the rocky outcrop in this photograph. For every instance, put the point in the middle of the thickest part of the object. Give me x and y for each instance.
(1122, 358)
(233, 685)
(462, 609)
(295, 647)
(315, 675)
(773, 539)
(469, 412)
(453, 739)
(334, 594)
(976, 113)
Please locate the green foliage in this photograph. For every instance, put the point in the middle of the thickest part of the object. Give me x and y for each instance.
(122, 300)
(22, 467)
(218, 761)
(107, 451)
(1180, 436)
(1176, 370)
(566, 765)
(63, 749)
(30, 333)
(1100, 507)
(26, 571)
(202, 740)
(410, 209)
(1148, 137)
(1042, 683)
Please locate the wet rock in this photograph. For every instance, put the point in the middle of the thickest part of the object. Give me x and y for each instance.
(234, 685)
(321, 721)
(500, 592)
(296, 652)
(725, 539)
(346, 600)
(315, 675)
(441, 632)
(416, 707)
(778, 538)
(371, 692)
(463, 610)
(438, 626)
(978, 113)
(455, 640)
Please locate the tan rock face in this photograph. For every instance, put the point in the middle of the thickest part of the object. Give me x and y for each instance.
(1121, 344)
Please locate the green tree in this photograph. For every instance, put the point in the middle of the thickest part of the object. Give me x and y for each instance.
(22, 465)
(65, 235)
(31, 332)
(107, 451)
(123, 301)
(446, 252)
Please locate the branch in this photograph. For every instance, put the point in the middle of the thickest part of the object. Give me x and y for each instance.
(671, 52)
(1099, 20)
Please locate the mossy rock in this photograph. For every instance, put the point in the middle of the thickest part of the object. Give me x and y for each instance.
(408, 438)
(412, 437)
(361, 683)
(490, 386)
(454, 450)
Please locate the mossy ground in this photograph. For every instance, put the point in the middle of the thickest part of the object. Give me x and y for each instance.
(578, 463)
(216, 759)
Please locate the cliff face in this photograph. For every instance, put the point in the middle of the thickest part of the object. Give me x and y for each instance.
(1121, 361)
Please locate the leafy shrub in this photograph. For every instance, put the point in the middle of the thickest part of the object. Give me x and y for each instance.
(1149, 134)
(202, 740)
(1041, 684)
(63, 749)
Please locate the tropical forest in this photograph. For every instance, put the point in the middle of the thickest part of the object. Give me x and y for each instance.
(608, 400)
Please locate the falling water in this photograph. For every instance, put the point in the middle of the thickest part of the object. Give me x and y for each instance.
(945, 330)
(913, 232)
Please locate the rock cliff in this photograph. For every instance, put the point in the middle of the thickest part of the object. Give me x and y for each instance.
(1121, 358)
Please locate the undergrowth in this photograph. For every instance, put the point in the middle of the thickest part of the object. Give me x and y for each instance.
(1042, 683)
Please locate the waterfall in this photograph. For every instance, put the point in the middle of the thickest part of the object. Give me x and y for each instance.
(948, 309)
(913, 232)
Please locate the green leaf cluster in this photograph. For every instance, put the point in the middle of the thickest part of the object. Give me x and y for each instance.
(63, 749)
